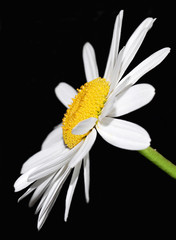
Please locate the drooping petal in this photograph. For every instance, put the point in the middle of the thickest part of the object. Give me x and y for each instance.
(40, 189)
(57, 177)
(51, 196)
(123, 134)
(71, 189)
(33, 187)
(65, 93)
(86, 176)
(132, 99)
(90, 63)
(84, 149)
(53, 137)
(84, 126)
(22, 182)
(44, 156)
(134, 43)
(55, 163)
(145, 66)
(114, 45)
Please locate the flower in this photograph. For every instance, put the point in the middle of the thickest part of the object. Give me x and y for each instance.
(92, 108)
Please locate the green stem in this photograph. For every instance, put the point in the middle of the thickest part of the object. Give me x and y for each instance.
(160, 161)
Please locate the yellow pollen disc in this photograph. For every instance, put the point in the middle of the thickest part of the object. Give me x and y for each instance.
(87, 103)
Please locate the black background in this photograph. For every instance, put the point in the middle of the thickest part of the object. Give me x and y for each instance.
(43, 46)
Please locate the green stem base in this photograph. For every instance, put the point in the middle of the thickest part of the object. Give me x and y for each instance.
(160, 161)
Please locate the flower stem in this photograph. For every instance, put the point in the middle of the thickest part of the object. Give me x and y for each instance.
(160, 161)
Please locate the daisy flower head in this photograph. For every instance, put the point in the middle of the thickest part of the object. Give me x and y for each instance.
(93, 108)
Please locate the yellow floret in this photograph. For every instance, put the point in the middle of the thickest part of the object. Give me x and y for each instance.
(87, 103)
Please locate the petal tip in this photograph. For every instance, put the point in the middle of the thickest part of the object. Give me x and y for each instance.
(168, 49)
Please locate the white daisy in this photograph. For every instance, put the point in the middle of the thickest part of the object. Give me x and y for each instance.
(91, 109)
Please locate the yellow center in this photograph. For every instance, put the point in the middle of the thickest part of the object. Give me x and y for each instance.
(87, 103)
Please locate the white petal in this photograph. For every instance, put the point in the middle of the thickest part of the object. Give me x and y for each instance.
(44, 156)
(71, 189)
(53, 137)
(114, 45)
(51, 197)
(134, 43)
(55, 163)
(107, 107)
(90, 63)
(87, 176)
(65, 93)
(84, 149)
(84, 126)
(123, 134)
(145, 66)
(116, 71)
(132, 99)
(22, 182)
(42, 185)
(111, 98)
(58, 175)
(32, 188)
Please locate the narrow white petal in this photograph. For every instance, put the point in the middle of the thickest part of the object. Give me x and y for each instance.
(116, 71)
(22, 182)
(145, 66)
(44, 156)
(134, 43)
(55, 163)
(65, 93)
(56, 176)
(43, 172)
(123, 134)
(35, 186)
(84, 126)
(41, 187)
(53, 137)
(31, 189)
(114, 45)
(87, 176)
(90, 63)
(71, 189)
(52, 197)
(132, 99)
(84, 149)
